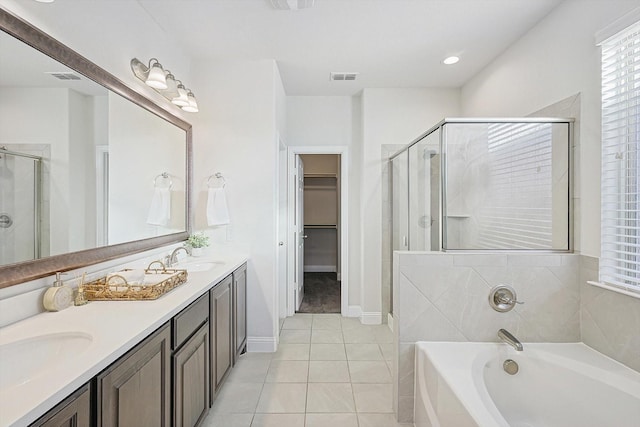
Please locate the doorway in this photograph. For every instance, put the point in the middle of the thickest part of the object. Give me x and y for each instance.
(321, 219)
(317, 273)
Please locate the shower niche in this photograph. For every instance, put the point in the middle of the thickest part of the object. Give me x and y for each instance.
(484, 184)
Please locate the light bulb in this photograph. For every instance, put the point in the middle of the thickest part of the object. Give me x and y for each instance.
(193, 104)
(181, 100)
(156, 78)
(172, 87)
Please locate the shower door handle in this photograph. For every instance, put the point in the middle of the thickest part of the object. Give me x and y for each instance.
(5, 221)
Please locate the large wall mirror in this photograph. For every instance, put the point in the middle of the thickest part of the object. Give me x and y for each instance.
(90, 170)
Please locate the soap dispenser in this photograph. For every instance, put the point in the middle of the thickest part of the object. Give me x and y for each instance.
(59, 296)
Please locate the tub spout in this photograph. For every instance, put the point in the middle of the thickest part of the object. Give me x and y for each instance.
(507, 337)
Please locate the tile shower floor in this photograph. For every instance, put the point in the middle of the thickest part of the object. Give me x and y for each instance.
(329, 371)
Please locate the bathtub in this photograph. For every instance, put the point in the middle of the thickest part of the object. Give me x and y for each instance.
(557, 385)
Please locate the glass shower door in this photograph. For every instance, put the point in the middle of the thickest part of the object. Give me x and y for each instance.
(20, 177)
(400, 205)
(424, 194)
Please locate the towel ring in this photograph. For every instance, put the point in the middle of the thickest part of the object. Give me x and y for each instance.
(163, 175)
(218, 176)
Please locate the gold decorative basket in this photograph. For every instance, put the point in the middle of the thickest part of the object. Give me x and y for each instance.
(116, 288)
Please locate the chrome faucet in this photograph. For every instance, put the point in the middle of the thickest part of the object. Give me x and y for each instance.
(173, 258)
(507, 337)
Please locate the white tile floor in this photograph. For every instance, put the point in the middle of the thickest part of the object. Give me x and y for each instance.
(329, 371)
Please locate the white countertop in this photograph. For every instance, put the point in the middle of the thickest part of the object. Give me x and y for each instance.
(115, 328)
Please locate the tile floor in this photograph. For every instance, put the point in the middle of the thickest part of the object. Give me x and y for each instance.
(329, 371)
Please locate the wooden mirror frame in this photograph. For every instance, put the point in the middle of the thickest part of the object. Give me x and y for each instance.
(21, 272)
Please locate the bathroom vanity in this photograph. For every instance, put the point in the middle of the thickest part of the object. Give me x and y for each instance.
(143, 363)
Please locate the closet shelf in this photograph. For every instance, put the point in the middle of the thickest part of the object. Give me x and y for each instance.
(319, 187)
(320, 175)
(321, 226)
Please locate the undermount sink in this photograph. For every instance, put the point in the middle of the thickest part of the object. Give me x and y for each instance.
(22, 361)
(197, 266)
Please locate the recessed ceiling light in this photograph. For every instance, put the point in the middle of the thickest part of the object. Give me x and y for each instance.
(45, 1)
(451, 60)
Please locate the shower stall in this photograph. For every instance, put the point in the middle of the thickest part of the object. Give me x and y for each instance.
(484, 184)
(20, 206)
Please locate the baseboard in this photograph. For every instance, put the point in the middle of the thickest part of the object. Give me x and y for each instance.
(320, 269)
(371, 318)
(261, 344)
(339, 277)
(390, 321)
(354, 311)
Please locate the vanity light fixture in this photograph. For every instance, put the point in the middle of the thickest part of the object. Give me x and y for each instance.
(451, 60)
(164, 82)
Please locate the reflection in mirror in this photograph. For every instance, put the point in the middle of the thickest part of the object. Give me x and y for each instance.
(141, 148)
(78, 162)
(81, 166)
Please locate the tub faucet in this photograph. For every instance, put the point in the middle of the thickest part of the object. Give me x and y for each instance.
(173, 258)
(507, 337)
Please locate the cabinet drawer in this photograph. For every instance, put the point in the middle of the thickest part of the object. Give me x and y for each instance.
(73, 411)
(189, 320)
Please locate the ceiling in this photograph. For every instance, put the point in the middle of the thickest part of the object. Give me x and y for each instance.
(390, 43)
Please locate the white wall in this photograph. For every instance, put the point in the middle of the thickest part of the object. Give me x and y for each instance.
(389, 116)
(556, 59)
(281, 195)
(236, 135)
(319, 120)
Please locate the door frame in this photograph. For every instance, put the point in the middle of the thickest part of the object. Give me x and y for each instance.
(343, 152)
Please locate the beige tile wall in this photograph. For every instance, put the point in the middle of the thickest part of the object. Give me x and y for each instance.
(610, 322)
(444, 297)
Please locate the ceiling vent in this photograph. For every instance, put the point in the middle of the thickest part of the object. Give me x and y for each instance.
(343, 76)
(64, 75)
(291, 4)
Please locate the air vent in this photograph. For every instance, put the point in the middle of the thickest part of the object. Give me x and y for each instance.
(343, 76)
(291, 4)
(64, 75)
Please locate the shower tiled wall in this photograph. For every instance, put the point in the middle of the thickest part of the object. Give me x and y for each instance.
(444, 297)
(610, 322)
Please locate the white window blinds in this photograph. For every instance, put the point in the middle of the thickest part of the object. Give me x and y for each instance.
(620, 251)
(518, 209)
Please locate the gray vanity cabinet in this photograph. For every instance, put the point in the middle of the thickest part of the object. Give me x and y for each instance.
(74, 411)
(172, 377)
(191, 361)
(221, 333)
(191, 379)
(239, 311)
(136, 390)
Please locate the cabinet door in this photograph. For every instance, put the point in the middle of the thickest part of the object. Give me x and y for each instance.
(135, 391)
(240, 311)
(74, 411)
(191, 380)
(221, 344)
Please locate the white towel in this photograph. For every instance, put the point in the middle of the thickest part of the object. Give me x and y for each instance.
(217, 212)
(160, 209)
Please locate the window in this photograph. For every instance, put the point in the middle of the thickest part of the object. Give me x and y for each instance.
(620, 250)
